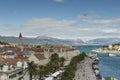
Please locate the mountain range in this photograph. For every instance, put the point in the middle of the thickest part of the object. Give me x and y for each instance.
(103, 41)
(50, 40)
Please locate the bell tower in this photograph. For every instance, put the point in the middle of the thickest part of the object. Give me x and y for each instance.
(20, 43)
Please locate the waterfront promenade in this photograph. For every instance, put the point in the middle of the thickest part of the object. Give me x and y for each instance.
(84, 70)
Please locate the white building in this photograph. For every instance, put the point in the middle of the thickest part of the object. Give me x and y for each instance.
(110, 46)
(38, 59)
(10, 72)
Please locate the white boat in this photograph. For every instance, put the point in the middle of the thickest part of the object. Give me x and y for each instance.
(110, 54)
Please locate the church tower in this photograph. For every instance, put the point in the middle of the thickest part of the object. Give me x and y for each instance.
(20, 43)
(20, 40)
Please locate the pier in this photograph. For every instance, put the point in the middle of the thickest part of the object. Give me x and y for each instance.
(84, 70)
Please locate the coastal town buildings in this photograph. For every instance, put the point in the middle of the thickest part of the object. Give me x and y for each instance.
(115, 47)
(14, 57)
(39, 59)
(110, 47)
(11, 72)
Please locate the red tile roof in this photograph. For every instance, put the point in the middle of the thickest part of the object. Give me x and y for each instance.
(40, 56)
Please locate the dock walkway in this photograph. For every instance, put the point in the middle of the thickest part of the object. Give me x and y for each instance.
(84, 70)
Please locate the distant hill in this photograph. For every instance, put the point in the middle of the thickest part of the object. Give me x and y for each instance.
(103, 41)
(50, 40)
(42, 40)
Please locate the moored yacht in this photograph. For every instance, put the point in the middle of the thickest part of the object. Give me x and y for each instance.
(111, 54)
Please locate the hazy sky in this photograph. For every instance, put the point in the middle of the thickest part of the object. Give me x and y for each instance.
(66, 19)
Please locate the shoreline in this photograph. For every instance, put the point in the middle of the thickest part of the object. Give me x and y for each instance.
(107, 52)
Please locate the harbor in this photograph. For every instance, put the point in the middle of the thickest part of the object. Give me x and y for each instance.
(108, 65)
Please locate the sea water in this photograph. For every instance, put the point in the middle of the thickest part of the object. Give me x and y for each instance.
(109, 66)
(87, 48)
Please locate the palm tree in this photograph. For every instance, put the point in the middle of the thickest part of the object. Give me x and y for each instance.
(41, 71)
(31, 69)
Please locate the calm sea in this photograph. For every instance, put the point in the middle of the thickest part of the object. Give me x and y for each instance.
(109, 66)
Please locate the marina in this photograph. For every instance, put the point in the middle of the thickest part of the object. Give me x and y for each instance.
(108, 65)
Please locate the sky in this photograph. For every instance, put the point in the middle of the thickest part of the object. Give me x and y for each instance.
(64, 19)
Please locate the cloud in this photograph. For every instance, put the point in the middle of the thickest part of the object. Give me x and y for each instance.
(108, 21)
(104, 23)
(57, 28)
(10, 29)
(101, 27)
(65, 29)
(59, 0)
(43, 26)
(94, 20)
(49, 22)
(49, 26)
(110, 31)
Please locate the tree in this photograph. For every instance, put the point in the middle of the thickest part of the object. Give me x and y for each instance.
(62, 59)
(41, 71)
(55, 61)
(69, 72)
(31, 69)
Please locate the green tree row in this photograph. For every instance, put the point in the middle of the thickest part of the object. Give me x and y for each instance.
(71, 68)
